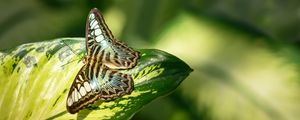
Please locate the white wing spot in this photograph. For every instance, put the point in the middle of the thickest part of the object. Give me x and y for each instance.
(80, 78)
(94, 24)
(79, 96)
(76, 95)
(94, 83)
(77, 80)
(97, 32)
(87, 86)
(70, 101)
(82, 91)
(73, 96)
(104, 44)
(92, 16)
(99, 38)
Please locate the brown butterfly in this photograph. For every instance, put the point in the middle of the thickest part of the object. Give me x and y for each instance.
(99, 78)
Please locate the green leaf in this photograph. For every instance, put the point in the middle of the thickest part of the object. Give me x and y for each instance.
(36, 79)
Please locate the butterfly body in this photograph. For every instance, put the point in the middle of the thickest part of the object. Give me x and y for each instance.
(100, 77)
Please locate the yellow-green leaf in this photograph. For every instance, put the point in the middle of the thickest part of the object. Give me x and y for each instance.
(36, 78)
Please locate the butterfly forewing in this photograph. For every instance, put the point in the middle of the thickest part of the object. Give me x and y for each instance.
(96, 30)
(101, 43)
(104, 84)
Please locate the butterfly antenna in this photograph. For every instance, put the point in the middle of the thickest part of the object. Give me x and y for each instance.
(77, 55)
(69, 62)
(70, 48)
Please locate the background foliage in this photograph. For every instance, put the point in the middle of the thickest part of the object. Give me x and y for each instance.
(245, 54)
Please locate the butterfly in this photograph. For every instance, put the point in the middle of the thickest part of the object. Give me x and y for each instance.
(100, 78)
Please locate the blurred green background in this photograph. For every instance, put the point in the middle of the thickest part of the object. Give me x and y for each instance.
(245, 54)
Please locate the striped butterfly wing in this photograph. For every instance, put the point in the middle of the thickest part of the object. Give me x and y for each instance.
(96, 81)
(101, 44)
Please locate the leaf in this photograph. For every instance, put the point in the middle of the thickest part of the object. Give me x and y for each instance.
(237, 74)
(36, 79)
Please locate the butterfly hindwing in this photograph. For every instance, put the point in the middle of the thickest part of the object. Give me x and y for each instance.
(114, 84)
(81, 93)
(93, 83)
(101, 43)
